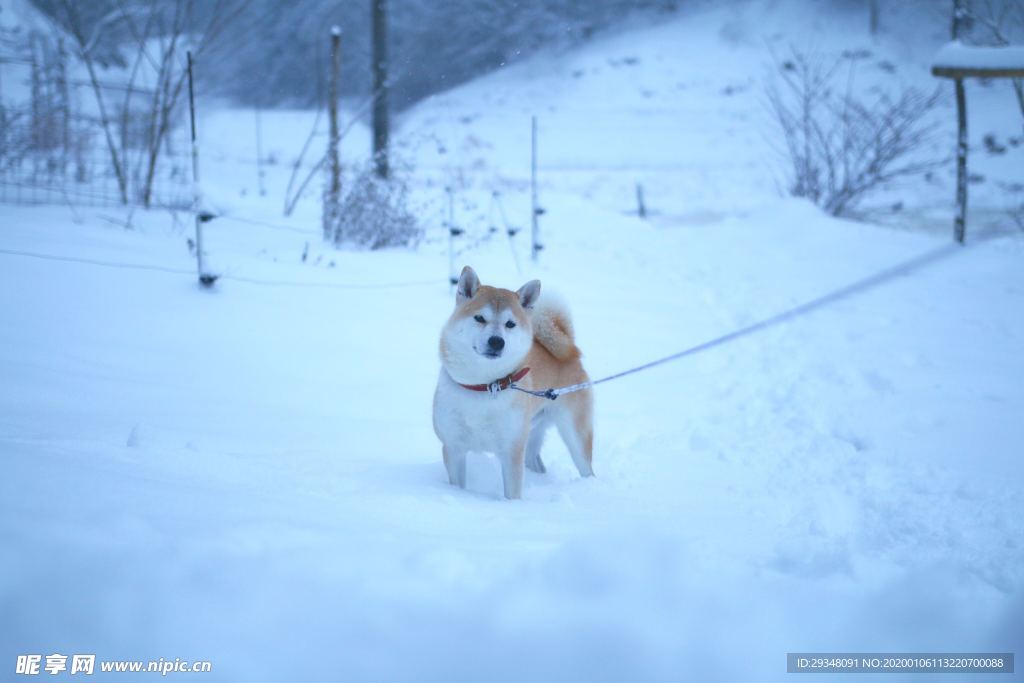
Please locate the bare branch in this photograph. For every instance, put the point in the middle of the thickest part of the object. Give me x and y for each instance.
(842, 149)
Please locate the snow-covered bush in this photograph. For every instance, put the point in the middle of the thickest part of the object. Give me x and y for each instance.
(840, 145)
(375, 213)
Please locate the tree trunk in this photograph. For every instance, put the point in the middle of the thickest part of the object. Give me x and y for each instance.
(36, 138)
(380, 87)
(535, 210)
(333, 200)
(115, 157)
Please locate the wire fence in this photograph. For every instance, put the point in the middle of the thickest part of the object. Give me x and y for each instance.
(190, 272)
(83, 142)
(89, 180)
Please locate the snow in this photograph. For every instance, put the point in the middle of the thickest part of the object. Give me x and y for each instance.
(956, 55)
(249, 475)
(20, 15)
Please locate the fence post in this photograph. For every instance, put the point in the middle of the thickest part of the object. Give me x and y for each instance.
(453, 232)
(535, 211)
(260, 175)
(332, 208)
(509, 230)
(36, 135)
(64, 92)
(960, 221)
(641, 208)
(205, 279)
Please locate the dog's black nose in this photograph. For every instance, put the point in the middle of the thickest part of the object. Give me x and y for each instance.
(496, 343)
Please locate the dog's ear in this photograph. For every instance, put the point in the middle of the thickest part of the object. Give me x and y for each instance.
(529, 293)
(468, 284)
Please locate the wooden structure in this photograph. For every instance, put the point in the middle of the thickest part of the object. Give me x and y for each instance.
(958, 62)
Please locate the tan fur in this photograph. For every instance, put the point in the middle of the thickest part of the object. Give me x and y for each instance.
(554, 360)
(552, 328)
(548, 370)
(489, 296)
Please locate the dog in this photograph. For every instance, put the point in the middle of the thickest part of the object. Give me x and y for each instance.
(496, 338)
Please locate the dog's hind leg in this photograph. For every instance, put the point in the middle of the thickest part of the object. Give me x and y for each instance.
(537, 429)
(577, 431)
(455, 463)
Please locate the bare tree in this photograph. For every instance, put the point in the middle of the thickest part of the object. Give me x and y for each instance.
(840, 148)
(160, 31)
(86, 43)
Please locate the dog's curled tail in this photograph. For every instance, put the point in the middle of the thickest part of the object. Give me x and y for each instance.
(552, 327)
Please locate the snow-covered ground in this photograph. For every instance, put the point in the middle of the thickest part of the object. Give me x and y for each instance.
(249, 476)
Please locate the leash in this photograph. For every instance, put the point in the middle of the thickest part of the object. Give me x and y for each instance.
(803, 309)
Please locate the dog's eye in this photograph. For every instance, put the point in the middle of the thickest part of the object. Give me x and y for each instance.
(479, 319)
(510, 324)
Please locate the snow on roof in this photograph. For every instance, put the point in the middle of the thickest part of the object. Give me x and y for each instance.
(973, 60)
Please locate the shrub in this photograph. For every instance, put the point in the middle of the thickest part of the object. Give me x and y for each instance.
(374, 213)
(841, 148)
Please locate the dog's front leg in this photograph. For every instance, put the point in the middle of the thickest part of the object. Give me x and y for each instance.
(512, 463)
(455, 463)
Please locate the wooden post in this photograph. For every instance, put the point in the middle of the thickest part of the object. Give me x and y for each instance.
(958, 71)
(641, 208)
(535, 210)
(205, 278)
(332, 203)
(380, 87)
(960, 220)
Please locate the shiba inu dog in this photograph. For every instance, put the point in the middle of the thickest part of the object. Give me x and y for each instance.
(494, 338)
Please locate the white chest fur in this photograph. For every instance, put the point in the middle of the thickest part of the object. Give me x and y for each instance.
(478, 421)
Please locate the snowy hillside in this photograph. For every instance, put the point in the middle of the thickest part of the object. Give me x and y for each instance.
(249, 475)
(681, 108)
(22, 16)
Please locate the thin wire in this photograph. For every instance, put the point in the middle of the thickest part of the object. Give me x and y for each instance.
(96, 262)
(803, 309)
(333, 285)
(275, 226)
(235, 278)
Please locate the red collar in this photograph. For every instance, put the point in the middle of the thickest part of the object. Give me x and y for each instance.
(498, 384)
